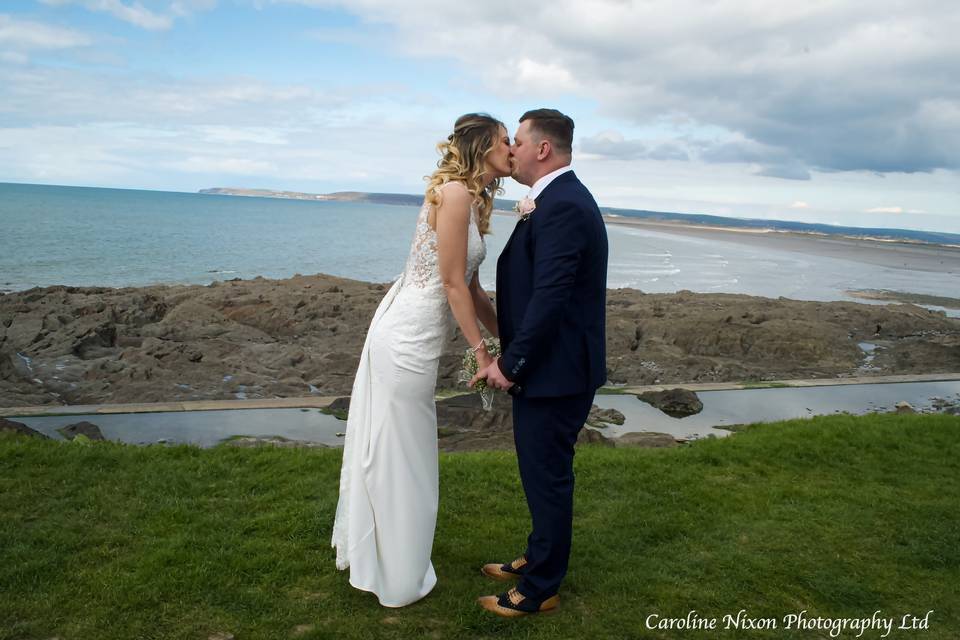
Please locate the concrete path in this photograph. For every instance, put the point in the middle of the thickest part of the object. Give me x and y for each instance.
(319, 402)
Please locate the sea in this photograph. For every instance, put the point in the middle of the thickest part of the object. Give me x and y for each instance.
(81, 236)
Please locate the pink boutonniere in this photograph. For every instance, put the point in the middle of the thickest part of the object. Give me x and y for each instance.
(525, 207)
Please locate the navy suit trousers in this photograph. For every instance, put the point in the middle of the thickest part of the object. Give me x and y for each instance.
(545, 431)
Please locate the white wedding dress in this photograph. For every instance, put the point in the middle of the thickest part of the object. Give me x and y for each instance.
(389, 479)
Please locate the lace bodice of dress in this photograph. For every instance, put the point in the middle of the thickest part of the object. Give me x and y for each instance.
(423, 270)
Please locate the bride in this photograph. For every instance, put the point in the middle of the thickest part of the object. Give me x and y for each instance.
(389, 479)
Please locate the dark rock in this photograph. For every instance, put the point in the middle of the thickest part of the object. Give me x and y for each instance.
(466, 413)
(96, 343)
(593, 437)
(253, 328)
(645, 439)
(599, 416)
(948, 407)
(14, 366)
(339, 408)
(676, 403)
(23, 329)
(340, 404)
(22, 429)
(87, 429)
(465, 426)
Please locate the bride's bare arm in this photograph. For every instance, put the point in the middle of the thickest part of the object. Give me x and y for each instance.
(481, 301)
(452, 224)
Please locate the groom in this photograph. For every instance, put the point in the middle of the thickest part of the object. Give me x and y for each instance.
(551, 297)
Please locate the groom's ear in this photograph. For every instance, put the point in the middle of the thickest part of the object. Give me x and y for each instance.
(544, 150)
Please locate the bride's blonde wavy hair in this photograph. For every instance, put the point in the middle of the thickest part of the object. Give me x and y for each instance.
(463, 159)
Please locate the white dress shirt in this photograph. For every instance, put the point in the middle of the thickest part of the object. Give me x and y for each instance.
(544, 181)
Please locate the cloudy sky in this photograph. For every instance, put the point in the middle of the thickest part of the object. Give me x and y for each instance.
(826, 111)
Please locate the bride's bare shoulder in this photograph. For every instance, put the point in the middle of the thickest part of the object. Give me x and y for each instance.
(454, 194)
(453, 188)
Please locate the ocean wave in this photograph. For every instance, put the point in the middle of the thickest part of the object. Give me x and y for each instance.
(656, 272)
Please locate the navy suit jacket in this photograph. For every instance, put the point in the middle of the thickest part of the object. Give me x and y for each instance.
(551, 294)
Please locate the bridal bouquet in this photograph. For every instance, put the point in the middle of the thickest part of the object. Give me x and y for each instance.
(470, 368)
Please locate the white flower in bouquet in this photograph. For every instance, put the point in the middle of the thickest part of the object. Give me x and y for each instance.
(471, 367)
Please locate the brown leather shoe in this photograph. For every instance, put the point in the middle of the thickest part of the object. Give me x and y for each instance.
(505, 572)
(514, 604)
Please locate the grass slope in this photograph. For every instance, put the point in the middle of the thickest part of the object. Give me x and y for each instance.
(840, 516)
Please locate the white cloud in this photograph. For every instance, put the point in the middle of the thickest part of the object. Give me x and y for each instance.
(799, 204)
(792, 170)
(823, 96)
(340, 35)
(228, 165)
(139, 15)
(91, 156)
(180, 156)
(826, 86)
(136, 14)
(14, 57)
(612, 144)
(885, 210)
(184, 8)
(153, 131)
(69, 96)
(219, 134)
(28, 35)
(541, 76)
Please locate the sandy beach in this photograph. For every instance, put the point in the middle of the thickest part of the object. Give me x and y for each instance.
(913, 256)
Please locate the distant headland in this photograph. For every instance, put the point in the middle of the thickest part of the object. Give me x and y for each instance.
(340, 196)
(612, 214)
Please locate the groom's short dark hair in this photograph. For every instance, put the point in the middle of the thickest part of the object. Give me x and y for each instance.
(552, 125)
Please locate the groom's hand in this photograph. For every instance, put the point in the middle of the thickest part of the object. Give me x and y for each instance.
(493, 376)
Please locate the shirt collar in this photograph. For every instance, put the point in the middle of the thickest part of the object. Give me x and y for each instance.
(545, 181)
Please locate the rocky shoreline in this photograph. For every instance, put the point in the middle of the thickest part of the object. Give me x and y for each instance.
(302, 336)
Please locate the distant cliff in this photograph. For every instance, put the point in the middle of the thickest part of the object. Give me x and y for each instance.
(339, 196)
(266, 193)
(694, 219)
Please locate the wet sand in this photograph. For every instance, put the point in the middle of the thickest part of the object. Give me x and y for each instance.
(913, 256)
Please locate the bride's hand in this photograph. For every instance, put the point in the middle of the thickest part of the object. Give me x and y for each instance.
(484, 359)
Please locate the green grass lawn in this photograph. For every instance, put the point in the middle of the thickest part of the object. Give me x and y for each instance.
(839, 516)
